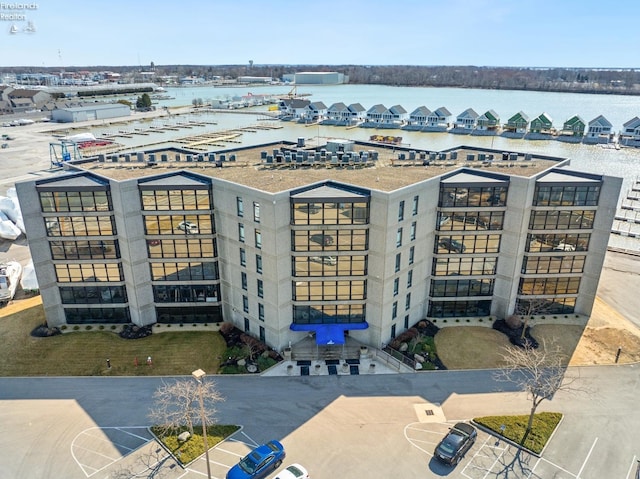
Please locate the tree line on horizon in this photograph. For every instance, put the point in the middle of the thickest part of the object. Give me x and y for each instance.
(580, 80)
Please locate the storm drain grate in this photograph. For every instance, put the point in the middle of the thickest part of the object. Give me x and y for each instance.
(429, 412)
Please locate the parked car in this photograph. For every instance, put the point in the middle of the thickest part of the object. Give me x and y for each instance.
(294, 471)
(259, 463)
(456, 443)
(322, 239)
(188, 227)
(451, 245)
(330, 260)
(565, 247)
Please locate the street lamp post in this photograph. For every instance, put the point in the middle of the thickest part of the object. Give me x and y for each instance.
(199, 374)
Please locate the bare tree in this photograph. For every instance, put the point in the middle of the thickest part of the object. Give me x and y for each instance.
(176, 405)
(525, 308)
(540, 372)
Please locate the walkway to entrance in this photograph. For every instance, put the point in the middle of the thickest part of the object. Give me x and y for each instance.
(306, 358)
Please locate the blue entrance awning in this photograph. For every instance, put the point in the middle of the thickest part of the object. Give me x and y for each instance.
(328, 334)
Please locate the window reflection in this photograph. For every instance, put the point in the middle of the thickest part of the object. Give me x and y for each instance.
(329, 213)
(209, 293)
(63, 201)
(474, 196)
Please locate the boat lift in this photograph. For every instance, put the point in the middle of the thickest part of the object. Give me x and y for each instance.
(63, 151)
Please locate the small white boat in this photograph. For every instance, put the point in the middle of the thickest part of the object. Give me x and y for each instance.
(10, 273)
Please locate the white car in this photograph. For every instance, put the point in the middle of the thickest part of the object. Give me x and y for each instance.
(565, 247)
(188, 227)
(330, 260)
(294, 471)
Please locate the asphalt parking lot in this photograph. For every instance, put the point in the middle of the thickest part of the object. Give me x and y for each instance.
(380, 437)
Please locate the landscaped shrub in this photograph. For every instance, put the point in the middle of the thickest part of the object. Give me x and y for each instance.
(133, 331)
(44, 331)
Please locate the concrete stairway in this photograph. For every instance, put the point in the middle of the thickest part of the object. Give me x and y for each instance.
(307, 349)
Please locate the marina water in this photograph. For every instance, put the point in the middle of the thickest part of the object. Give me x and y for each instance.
(618, 109)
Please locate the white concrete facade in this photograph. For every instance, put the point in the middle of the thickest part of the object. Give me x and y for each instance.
(401, 254)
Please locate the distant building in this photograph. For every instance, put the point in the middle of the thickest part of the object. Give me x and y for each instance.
(92, 112)
(317, 78)
(250, 79)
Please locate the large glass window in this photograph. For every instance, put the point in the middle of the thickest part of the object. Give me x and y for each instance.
(329, 314)
(171, 271)
(80, 226)
(329, 290)
(470, 197)
(178, 224)
(258, 238)
(182, 248)
(94, 249)
(562, 220)
(243, 257)
(401, 211)
(259, 263)
(189, 314)
(467, 244)
(93, 294)
(470, 220)
(451, 309)
(330, 240)
(546, 286)
(326, 265)
(97, 315)
(315, 213)
(414, 208)
(243, 280)
(547, 306)
(180, 293)
(566, 195)
(63, 201)
(464, 266)
(461, 287)
(553, 264)
(89, 272)
(541, 243)
(256, 212)
(175, 200)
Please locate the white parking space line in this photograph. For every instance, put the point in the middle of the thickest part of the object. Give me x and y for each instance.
(587, 458)
(634, 462)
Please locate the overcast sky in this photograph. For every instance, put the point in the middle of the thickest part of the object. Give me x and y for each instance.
(571, 33)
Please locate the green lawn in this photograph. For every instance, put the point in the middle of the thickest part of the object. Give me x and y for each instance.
(544, 424)
(189, 451)
(85, 353)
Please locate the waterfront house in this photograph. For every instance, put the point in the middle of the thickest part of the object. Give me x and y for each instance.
(293, 107)
(630, 135)
(466, 120)
(376, 113)
(419, 116)
(358, 113)
(631, 129)
(574, 126)
(396, 115)
(543, 124)
(517, 124)
(338, 113)
(315, 111)
(599, 130)
(489, 120)
(438, 120)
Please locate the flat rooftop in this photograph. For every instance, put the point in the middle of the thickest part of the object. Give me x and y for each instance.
(369, 165)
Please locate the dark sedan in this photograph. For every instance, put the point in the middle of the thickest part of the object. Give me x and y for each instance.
(456, 443)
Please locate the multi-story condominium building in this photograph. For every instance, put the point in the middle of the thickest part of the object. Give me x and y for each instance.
(341, 238)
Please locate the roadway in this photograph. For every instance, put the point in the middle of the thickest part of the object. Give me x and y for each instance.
(362, 426)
